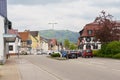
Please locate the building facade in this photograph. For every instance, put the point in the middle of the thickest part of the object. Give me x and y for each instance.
(44, 44)
(14, 45)
(87, 35)
(5, 37)
(2, 31)
(25, 42)
(3, 8)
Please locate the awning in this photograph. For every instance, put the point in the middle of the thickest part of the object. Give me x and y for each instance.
(9, 37)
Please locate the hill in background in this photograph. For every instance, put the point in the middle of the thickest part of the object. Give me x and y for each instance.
(60, 35)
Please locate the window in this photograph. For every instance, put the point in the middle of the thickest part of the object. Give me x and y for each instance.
(10, 47)
(88, 46)
(89, 32)
(88, 39)
(9, 25)
(95, 46)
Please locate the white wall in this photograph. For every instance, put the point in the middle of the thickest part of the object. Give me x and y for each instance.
(15, 45)
(2, 57)
(44, 45)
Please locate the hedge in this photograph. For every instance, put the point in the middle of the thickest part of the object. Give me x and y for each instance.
(55, 55)
(110, 50)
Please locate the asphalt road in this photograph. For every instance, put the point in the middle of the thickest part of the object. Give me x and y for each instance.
(72, 69)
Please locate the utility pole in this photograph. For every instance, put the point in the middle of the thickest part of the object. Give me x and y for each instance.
(53, 25)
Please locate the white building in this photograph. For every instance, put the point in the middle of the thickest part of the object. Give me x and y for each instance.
(15, 44)
(2, 31)
(87, 37)
(43, 44)
(8, 41)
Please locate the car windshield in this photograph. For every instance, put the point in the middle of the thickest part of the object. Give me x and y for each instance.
(88, 50)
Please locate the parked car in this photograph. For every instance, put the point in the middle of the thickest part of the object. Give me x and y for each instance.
(64, 53)
(70, 54)
(51, 52)
(79, 52)
(44, 52)
(87, 53)
(39, 53)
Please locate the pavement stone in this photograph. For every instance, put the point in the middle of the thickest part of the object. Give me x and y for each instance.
(9, 71)
(20, 69)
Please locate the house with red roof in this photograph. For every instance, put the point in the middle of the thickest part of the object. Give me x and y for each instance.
(53, 44)
(25, 42)
(87, 36)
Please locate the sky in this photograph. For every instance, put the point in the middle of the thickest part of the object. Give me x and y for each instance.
(68, 14)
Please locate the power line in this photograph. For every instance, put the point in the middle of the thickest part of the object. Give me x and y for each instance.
(53, 24)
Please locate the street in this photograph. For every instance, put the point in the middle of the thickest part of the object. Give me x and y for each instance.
(72, 69)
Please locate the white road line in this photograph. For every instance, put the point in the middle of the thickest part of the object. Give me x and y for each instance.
(41, 69)
(116, 70)
(98, 63)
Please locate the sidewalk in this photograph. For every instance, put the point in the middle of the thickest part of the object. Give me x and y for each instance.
(9, 70)
(22, 69)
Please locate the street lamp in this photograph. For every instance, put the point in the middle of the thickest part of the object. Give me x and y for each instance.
(53, 24)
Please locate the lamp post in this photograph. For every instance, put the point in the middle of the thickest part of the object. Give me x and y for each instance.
(53, 24)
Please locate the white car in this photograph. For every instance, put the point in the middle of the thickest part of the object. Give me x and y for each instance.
(50, 52)
(39, 52)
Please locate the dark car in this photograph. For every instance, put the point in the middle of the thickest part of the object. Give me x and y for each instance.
(87, 53)
(70, 54)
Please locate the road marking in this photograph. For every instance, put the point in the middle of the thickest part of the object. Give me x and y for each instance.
(91, 63)
(115, 70)
(51, 74)
(24, 61)
(98, 63)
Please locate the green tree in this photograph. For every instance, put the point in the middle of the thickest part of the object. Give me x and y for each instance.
(73, 46)
(66, 43)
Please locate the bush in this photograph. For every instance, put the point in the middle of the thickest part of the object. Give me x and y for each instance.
(103, 49)
(95, 52)
(109, 50)
(113, 48)
(55, 55)
(117, 56)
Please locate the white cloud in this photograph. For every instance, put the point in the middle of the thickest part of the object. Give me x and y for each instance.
(72, 15)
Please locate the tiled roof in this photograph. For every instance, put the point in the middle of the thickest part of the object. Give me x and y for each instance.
(53, 41)
(34, 33)
(44, 39)
(13, 31)
(24, 36)
(91, 26)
